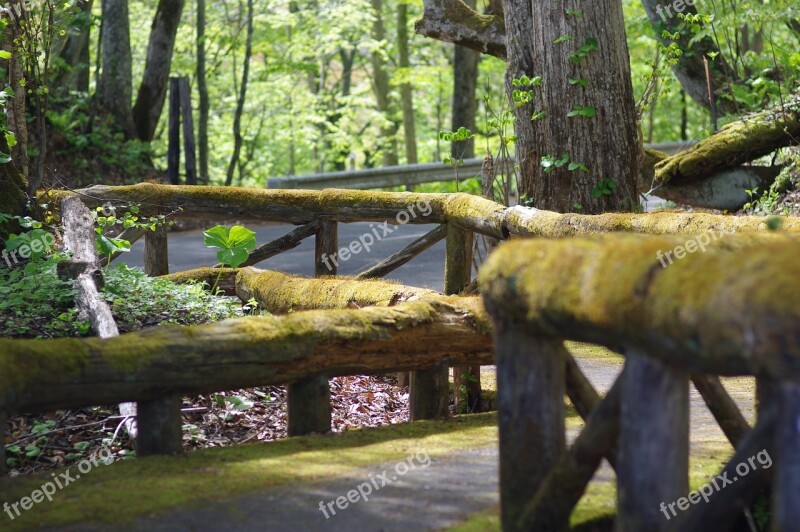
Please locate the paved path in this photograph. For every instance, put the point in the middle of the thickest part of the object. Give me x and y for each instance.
(437, 496)
(186, 251)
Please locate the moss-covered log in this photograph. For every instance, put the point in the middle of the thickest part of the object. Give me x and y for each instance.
(454, 21)
(37, 375)
(280, 293)
(731, 310)
(469, 212)
(224, 278)
(736, 143)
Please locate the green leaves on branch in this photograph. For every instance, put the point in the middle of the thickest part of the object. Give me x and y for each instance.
(524, 94)
(579, 110)
(581, 53)
(234, 244)
(604, 187)
(549, 163)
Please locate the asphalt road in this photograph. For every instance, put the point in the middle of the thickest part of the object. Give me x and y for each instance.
(186, 251)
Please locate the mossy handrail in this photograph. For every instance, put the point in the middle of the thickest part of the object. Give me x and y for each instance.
(729, 308)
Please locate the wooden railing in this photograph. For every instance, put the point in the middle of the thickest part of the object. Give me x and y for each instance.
(731, 309)
(304, 349)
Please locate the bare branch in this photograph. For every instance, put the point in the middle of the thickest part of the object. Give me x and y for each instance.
(453, 21)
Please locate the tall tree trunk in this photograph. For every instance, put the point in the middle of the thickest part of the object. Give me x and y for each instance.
(406, 93)
(12, 174)
(607, 144)
(237, 117)
(465, 80)
(690, 69)
(381, 85)
(202, 90)
(115, 82)
(153, 89)
(74, 52)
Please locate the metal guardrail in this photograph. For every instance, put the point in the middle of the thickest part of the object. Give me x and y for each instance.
(410, 174)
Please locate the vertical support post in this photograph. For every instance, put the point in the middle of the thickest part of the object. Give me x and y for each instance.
(531, 384)
(174, 133)
(159, 426)
(457, 275)
(786, 499)
(653, 459)
(309, 401)
(156, 252)
(189, 158)
(428, 393)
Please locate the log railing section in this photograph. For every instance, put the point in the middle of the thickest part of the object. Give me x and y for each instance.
(731, 310)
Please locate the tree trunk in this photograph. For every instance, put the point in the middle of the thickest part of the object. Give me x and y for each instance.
(12, 174)
(406, 94)
(381, 86)
(153, 89)
(690, 69)
(465, 80)
(202, 91)
(606, 145)
(115, 82)
(237, 118)
(74, 52)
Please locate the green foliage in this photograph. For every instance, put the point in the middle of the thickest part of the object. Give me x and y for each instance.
(139, 301)
(584, 111)
(604, 187)
(234, 244)
(551, 162)
(581, 53)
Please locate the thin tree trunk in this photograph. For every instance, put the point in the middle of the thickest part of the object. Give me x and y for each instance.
(465, 80)
(381, 85)
(74, 52)
(237, 118)
(689, 69)
(202, 90)
(115, 81)
(605, 143)
(406, 92)
(153, 89)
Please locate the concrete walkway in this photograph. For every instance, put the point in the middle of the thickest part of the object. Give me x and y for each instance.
(438, 495)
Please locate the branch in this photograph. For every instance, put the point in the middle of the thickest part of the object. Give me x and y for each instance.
(453, 21)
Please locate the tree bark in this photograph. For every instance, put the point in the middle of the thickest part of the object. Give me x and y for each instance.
(690, 69)
(116, 80)
(153, 89)
(607, 144)
(381, 86)
(237, 117)
(74, 52)
(465, 81)
(202, 92)
(453, 21)
(406, 92)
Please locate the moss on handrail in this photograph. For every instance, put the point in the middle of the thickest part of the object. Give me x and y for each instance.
(470, 212)
(731, 309)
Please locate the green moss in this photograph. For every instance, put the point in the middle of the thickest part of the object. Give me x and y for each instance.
(127, 489)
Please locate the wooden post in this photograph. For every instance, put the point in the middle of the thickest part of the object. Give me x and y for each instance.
(530, 403)
(174, 133)
(653, 461)
(159, 426)
(156, 252)
(457, 275)
(786, 499)
(309, 401)
(188, 131)
(428, 393)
